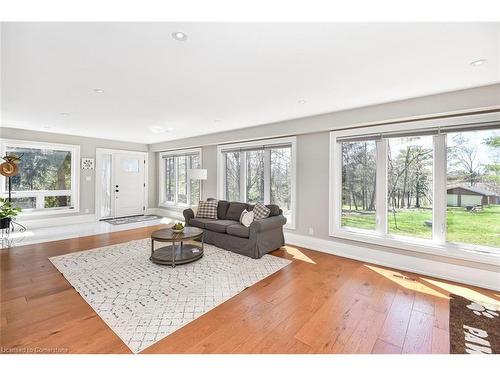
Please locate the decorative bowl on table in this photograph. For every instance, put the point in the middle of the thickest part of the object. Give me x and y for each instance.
(178, 228)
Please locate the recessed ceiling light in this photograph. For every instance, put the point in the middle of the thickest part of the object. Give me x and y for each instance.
(159, 129)
(180, 36)
(478, 62)
(99, 91)
(302, 101)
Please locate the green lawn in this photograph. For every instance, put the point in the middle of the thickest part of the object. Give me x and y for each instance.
(482, 227)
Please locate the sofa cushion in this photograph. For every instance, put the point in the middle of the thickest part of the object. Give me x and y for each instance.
(238, 230)
(219, 225)
(222, 209)
(199, 222)
(234, 211)
(275, 210)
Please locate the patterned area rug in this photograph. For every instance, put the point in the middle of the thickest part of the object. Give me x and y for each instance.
(132, 219)
(143, 302)
(474, 327)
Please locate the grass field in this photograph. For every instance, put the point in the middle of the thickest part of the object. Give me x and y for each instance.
(481, 228)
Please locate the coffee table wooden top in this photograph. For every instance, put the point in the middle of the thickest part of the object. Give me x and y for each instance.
(168, 234)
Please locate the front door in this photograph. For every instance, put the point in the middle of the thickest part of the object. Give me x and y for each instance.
(129, 184)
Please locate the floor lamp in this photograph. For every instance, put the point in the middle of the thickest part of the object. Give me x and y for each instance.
(198, 174)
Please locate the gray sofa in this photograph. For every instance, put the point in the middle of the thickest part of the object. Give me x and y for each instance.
(226, 232)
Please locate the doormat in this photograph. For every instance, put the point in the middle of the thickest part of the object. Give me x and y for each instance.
(132, 219)
(474, 327)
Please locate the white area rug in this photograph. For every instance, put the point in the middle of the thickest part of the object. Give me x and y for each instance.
(143, 302)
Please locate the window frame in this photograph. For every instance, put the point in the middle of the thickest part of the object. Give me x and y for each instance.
(438, 244)
(221, 171)
(74, 192)
(162, 174)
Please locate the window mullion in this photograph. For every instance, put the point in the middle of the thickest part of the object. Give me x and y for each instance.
(224, 177)
(243, 176)
(176, 179)
(381, 187)
(267, 176)
(188, 179)
(439, 199)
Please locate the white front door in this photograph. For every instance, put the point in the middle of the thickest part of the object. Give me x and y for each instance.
(129, 184)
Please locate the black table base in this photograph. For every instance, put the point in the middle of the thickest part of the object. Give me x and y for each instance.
(184, 253)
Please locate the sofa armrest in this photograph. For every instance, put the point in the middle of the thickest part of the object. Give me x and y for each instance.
(188, 215)
(268, 223)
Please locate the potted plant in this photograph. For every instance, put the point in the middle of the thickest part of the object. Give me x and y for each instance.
(178, 228)
(7, 212)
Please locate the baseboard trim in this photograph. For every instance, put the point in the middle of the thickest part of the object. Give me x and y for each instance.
(443, 270)
(34, 223)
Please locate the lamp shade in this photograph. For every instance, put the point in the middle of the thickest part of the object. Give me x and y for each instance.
(198, 174)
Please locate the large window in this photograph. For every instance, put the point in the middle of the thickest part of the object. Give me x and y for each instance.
(232, 176)
(358, 184)
(47, 179)
(255, 176)
(424, 186)
(176, 186)
(409, 186)
(260, 171)
(281, 179)
(473, 187)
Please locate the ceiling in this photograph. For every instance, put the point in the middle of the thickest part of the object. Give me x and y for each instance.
(226, 75)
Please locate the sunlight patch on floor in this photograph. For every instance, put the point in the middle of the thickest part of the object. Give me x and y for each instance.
(405, 281)
(298, 255)
(464, 292)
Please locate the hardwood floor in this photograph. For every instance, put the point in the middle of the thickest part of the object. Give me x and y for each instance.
(320, 303)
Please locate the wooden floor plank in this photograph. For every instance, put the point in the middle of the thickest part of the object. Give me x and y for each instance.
(440, 341)
(363, 339)
(425, 303)
(398, 318)
(382, 347)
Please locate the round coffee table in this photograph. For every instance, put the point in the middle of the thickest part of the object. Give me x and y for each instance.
(177, 252)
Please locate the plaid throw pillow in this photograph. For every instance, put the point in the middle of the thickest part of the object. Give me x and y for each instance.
(207, 210)
(261, 211)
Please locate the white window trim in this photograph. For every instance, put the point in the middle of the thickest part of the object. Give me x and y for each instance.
(221, 175)
(75, 177)
(161, 196)
(436, 246)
